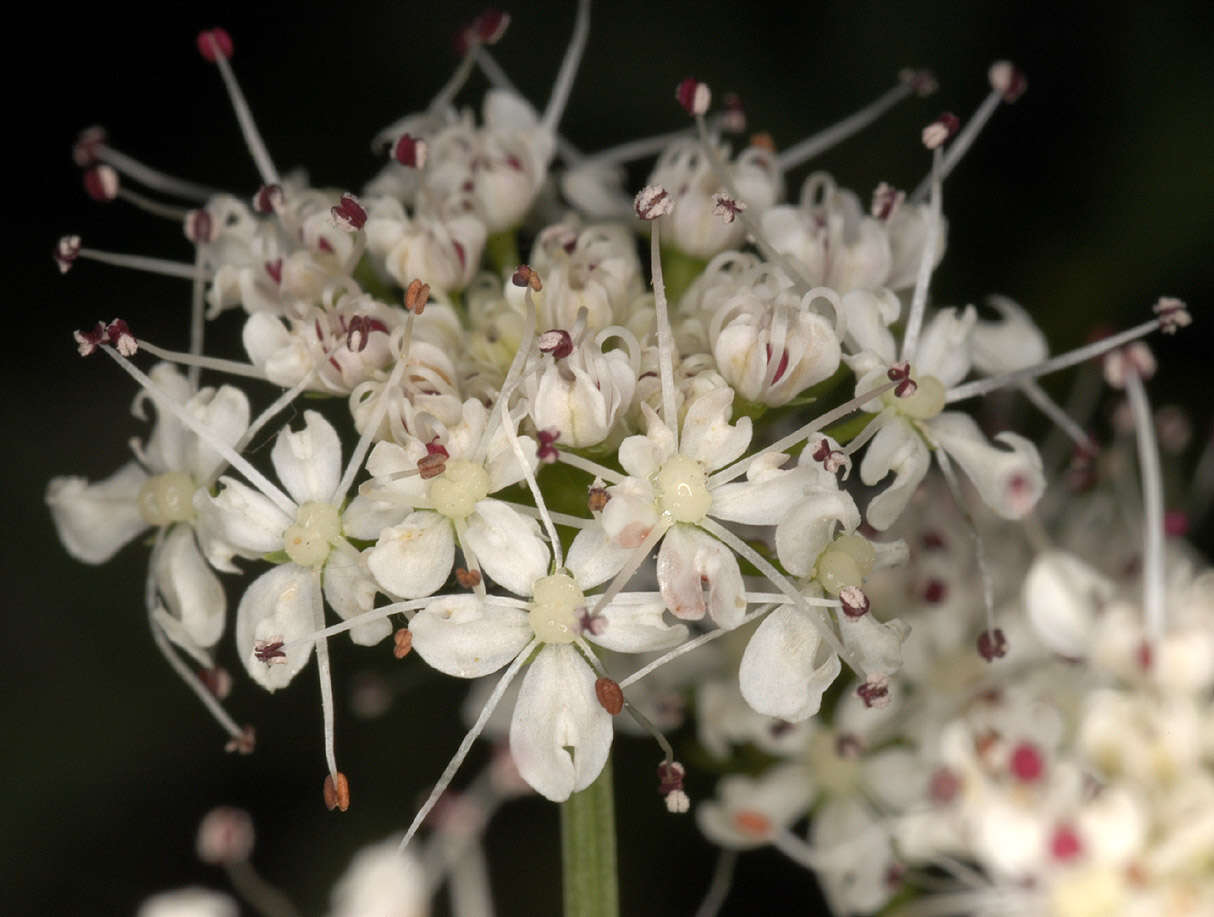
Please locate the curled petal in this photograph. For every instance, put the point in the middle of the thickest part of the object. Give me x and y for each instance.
(225, 412)
(94, 520)
(560, 735)
(811, 524)
(630, 513)
(1010, 344)
(640, 456)
(708, 436)
(762, 500)
(640, 628)
(414, 558)
(366, 517)
(350, 590)
(944, 350)
(1009, 480)
(896, 448)
(868, 315)
(507, 545)
(240, 521)
(1063, 597)
(467, 636)
(784, 669)
(276, 606)
(877, 644)
(691, 561)
(308, 461)
(191, 590)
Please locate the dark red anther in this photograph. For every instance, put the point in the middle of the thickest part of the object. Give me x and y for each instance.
(199, 227)
(670, 777)
(215, 43)
(556, 342)
(992, 644)
(434, 447)
(268, 199)
(274, 269)
(693, 95)
(874, 692)
(547, 451)
(524, 276)
(67, 250)
(269, 651)
(101, 183)
(410, 151)
(87, 342)
(486, 29)
(781, 367)
(591, 623)
(1065, 843)
(855, 602)
(358, 333)
(935, 591)
(349, 214)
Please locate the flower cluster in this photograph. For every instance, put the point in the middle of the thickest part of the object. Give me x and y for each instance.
(579, 469)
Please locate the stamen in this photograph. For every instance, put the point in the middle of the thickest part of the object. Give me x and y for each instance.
(726, 207)
(694, 96)
(909, 81)
(216, 46)
(348, 214)
(791, 593)
(547, 451)
(597, 498)
(914, 323)
(611, 697)
(556, 343)
(337, 792)
(523, 276)
(410, 151)
(563, 84)
(91, 147)
(375, 614)
(540, 505)
(1008, 84)
(326, 694)
(1153, 585)
(197, 316)
(573, 522)
(231, 367)
(739, 467)
(692, 644)
(1062, 361)
(364, 441)
(448, 773)
(68, 250)
(653, 202)
(1055, 412)
(402, 642)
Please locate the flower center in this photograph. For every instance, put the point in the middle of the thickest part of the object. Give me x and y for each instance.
(167, 498)
(554, 607)
(925, 403)
(845, 562)
(457, 490)
(681, 486)
(310, 539)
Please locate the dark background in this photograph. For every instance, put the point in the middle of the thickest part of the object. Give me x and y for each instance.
(1085, 201)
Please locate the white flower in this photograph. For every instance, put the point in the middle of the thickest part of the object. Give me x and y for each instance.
(189, 902)
(749, 813)
(381, 881)
(595, 268)
(441, 249)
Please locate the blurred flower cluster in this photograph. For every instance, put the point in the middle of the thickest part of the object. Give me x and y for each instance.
(692, 459)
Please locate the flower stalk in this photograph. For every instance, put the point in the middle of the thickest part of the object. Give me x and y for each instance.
(588, 858)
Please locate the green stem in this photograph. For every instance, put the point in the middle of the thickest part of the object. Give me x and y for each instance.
(588, 850)
(679, 271)
(502, 248)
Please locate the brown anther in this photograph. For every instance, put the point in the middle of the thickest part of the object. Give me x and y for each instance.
(597, 499)
(992, 644)
(337, 794)
(524, 276)
(242, 744)
(764, 141)
(469, 579)
(416, 296)
(431, 465)
(611, 697)
(402, 642)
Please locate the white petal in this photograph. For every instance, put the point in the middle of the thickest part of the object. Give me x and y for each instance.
(242, 519)
(467, 636)
(708, 436)
(811, 525)
(192, 592)
(1007, 345)
(560, 735)
(1063, 597)
(866, 322)
(877, 644)
(414, 558)
(773, 801)
(165, 448)
(896, 448)
(276, 606)
(351, 590)
(688, 560)
(782, 673)
(366, 518)
(637, 628)
(593, 558)
(640, 456)
(95, 520)
(382, 881)
(944, 350)
(630, 513)
(226, 414)
(308, 461)
(507, 545)
(761, 502)
(859, 855)
(1009, 480)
